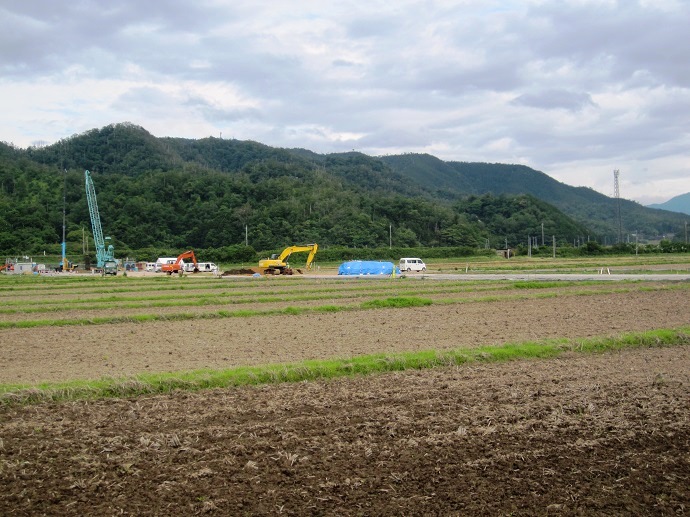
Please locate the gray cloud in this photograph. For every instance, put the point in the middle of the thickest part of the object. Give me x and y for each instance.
(554, 99)
(569, 87)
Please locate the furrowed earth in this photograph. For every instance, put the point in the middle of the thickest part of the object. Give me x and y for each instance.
(578, 435)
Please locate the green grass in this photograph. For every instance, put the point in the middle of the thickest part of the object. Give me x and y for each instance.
(332, 368)
(396, 302)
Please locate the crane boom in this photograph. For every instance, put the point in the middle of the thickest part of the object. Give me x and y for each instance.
(103, 255)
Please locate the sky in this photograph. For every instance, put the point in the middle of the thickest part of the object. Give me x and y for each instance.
(573, 88)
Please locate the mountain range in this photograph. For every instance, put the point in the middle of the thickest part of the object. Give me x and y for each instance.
(679, 203)
(178, 193)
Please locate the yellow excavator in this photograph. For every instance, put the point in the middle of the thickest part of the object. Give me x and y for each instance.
(278, 265)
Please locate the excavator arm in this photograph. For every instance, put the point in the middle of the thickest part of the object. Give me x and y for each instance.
(312, 254)
(311, 248)
(186, 254)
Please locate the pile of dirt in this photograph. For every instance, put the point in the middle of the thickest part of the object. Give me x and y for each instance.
(239, 271)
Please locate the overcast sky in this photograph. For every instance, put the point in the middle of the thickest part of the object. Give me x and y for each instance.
(573, 88)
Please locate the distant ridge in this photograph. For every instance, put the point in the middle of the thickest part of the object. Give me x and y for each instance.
(679, 203)
(587, 206)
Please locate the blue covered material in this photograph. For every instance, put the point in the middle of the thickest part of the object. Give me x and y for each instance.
(367, 267)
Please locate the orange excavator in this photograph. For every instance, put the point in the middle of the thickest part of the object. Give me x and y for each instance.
(177, 266)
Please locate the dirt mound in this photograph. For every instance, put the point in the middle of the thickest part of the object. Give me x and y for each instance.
(240, 271)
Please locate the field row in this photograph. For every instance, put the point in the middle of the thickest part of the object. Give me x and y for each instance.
(272, 298)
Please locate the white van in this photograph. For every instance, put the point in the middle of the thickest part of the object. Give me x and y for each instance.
(202, 267)
(412, 264)
(207, 267)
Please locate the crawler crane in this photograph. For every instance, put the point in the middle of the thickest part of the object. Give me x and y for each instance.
(105, 258)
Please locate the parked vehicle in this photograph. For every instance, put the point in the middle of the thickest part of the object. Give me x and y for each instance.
(202, 267)
(412, 264)
(110, 268)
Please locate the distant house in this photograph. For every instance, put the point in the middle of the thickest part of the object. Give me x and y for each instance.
(506, 253)
(23, 268)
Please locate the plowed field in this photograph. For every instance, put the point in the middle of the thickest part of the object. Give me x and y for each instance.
(578, 435)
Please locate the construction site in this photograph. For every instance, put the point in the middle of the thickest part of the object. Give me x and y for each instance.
(107, 264)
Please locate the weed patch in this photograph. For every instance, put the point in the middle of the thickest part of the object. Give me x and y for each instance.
(397, 302)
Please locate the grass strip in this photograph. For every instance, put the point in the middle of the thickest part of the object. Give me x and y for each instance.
(146, 384)
(393, 302)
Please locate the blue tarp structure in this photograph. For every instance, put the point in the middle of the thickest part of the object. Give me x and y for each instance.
(367, 267)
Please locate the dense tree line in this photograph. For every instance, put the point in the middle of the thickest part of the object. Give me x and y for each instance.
(214, 194)
(207, 209)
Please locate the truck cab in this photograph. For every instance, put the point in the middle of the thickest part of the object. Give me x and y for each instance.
(110, 268)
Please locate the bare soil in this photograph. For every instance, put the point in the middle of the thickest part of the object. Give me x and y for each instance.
(90, 352)
(604, 434)
(601, 434)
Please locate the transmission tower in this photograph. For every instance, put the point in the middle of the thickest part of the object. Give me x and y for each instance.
(616, 194)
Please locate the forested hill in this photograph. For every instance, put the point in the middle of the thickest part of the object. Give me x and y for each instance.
(173, 193)
(595, 210)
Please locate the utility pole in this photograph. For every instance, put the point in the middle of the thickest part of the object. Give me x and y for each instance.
(543, 242)
(64, 217)
(616, 194)
(390, 236)
(554, 246)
